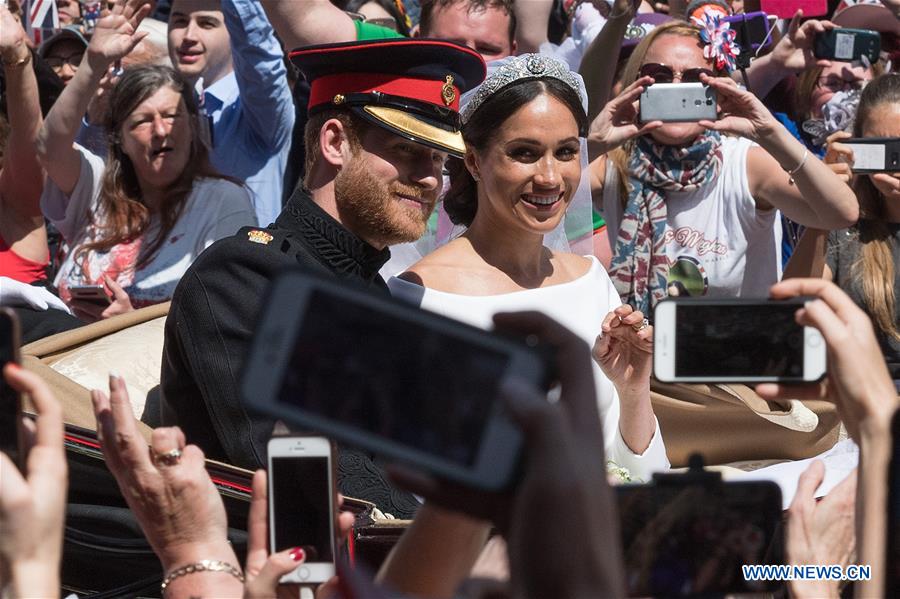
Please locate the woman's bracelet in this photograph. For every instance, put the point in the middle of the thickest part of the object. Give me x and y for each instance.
(206, 565)
(796, 170)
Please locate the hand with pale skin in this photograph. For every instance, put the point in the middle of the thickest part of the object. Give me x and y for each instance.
(120, 303)
(624, 353)
(176, 503)
(13, 39)
(116, 33)
(618, 121)
(264, 570)
(740, 111)
(32, 508)
(820, 532)
(838, 156)
(858, 379)
(794, 51)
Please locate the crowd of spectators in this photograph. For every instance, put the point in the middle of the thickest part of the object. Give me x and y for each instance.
(472, 158)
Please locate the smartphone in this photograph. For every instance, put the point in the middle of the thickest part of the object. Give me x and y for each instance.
(90, 293)
(387, 377)
(10, 400)
(688, 535)
(704, 340)
(752, 32)
(892, 580)
(678, 103)
(301, 504)
(848, 45)
(875, 154)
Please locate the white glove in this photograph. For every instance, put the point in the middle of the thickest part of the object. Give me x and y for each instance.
(16, 293)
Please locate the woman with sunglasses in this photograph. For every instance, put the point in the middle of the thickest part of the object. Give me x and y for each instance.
(694, 205)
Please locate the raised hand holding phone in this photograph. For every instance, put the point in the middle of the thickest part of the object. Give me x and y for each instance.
(740, 111)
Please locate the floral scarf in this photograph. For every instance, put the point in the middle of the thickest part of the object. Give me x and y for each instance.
(640, 267)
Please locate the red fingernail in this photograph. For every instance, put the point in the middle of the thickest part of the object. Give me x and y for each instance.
(297, 554)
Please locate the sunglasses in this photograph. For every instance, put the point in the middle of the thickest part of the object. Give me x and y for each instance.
(664, 74)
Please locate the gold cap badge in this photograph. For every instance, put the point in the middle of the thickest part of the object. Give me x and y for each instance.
(448, 94)
(257, 236)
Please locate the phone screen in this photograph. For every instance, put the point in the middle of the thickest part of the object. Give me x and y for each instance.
(683, 540)
(736, 340)
(394, 377)
(9, 399)
(302, 506)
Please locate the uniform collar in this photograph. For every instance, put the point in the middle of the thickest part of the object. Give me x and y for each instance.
(337, 248)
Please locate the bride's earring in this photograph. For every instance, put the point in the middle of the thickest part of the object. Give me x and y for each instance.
(476, 177)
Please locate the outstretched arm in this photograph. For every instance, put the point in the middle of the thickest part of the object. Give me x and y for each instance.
(309, 22)
(809, 193)
(22, 175)
(598, 66)
(115, 36)
(266, 99)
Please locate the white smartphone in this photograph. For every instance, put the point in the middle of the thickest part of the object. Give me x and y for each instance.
(678, 103)
(301, 504)
(702, 340)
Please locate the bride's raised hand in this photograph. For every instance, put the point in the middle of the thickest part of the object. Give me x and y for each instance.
(624, 350)
(618, 121)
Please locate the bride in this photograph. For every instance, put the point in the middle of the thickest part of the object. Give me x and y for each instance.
(523, 129)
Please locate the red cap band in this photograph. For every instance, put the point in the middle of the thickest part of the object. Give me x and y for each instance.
(324, 89)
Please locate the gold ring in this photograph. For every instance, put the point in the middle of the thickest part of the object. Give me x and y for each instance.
(640, 327)
(169, 458)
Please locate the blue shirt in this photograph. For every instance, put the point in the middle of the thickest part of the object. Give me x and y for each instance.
(251, 109)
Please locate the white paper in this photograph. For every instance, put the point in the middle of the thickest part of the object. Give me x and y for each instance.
(840, 461)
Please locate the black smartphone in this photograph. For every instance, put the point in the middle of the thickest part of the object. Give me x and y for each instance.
(692, 534)
(848, 45)
(875, 154)
(10, 400)
(301, 504)
(382, 375)
(709, 340)
(892, 580)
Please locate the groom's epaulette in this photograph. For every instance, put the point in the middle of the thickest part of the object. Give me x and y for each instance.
(265, 237)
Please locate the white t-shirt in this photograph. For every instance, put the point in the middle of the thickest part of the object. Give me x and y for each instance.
(216, 208)
(579, 305)
(719, 244)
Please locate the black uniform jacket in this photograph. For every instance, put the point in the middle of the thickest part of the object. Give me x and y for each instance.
(211, 323)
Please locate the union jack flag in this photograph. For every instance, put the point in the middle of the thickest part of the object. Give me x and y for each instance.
(43, 19)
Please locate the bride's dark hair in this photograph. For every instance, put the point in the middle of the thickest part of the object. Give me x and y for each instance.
(461, 200)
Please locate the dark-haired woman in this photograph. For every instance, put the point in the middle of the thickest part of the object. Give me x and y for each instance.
(134, 223)
(522, 129)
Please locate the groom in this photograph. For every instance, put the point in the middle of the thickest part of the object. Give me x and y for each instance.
(383, 118)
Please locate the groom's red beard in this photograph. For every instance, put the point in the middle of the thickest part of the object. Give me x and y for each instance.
(373, 210)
